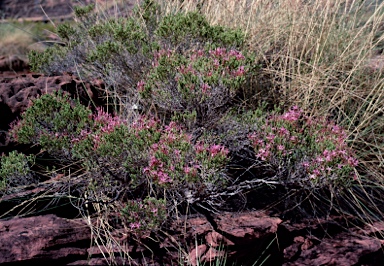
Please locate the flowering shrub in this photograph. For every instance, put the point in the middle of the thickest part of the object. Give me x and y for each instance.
(141, 153)
(122, 145)
(313, 150)
(198, 81)
(122, 52)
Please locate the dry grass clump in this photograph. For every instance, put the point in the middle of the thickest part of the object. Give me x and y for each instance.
(14, 41)
(20, 38)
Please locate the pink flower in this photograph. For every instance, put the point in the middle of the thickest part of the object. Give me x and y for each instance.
(218, 149)
(328, 155)
(172, 126)
(218, 52)
(215, 149)
(336, 129)
(294, 139)
(292, 115)
(200, 53)
(237, 54)
(271, 137)
(352, 161)
(177, 152)
(96, 140)
(216, 63)
(187, 170)
(134, 225)
(146, 169)
(199, 147)
(280, 147)
(191, 171)
(316, 172)
(263, 154)
(140, 86)
(283, 131)
(205, 88)
(154, 162)
(163, 177)
(239, 72)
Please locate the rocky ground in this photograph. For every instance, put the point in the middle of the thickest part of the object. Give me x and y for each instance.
(33, 232)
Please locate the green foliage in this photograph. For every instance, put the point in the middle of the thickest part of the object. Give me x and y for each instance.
(148, 11)
(15, 170)
(51, 121)
(126, 32)
(182, 28)
(104, 52)
(82, 11)
(39, 61)
(65, 31)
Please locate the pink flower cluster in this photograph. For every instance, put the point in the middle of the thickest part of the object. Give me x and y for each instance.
(175, 158)
(141, 86)
(145, 123)
(168, 156)
(134, 226)
(223, 54)
(103, 123)
(160, 54)
(211, 151)
(215, 150)
(210, 67)
(330, 162)
(294, 134)
(292, 115)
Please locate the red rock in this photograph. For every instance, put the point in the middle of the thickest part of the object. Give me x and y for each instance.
(43, 237)
(312, 246)
(343, 249)
(239, 232)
